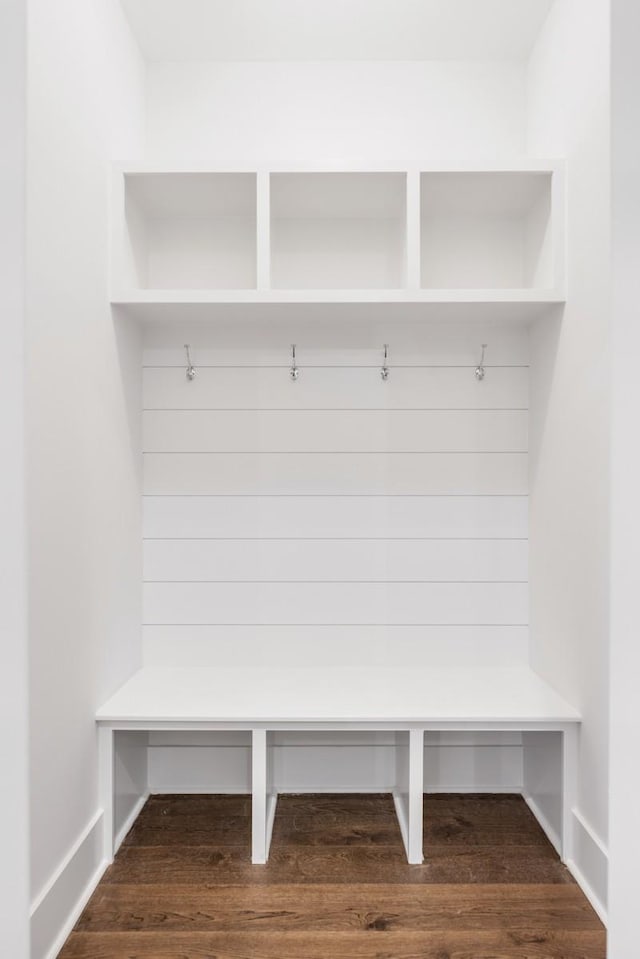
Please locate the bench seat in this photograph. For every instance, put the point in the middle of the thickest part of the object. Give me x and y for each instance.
(407, 701)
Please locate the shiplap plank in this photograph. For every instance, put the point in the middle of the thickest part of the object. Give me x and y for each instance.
(337, 603)
(334, 516)
(367, 560)
(335, 388)
(321, 646)
(302, 431)
(324, 473)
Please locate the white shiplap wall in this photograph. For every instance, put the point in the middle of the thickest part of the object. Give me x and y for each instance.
(336, 517)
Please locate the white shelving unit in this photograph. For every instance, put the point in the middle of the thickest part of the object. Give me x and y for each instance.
(200, 238)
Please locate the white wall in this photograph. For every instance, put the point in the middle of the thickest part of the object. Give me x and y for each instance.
(85, 102)
(568, 113)
(333, 113)
(625, 517)
(14, 884)
(336, 517)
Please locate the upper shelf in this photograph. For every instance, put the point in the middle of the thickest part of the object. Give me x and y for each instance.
(409, 237)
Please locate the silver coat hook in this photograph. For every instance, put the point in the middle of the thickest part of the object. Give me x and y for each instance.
(191, 370)
(480, 370)
(384, 371)
(294, 372)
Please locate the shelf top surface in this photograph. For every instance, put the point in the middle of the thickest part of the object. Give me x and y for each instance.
(181, 309)
(337, 695)
(336, 296)
(503, 165)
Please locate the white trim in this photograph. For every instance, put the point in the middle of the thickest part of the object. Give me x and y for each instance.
(129, 821)
(170, 789)
(70, 922)
(593, 836)
(575, 870)
(173, 789)
(590, 876)
(598, 906)
(47, 941)
(544, 823)
(57, 875)
(505, 163)
(63, 874)
(503, 789)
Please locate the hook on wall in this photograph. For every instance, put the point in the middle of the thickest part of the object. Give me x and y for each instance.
(191, 370)
(480, 370)
(384, 371)
(294, 372)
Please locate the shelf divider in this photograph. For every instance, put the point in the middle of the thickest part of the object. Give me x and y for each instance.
(413, 279)
(263, 226)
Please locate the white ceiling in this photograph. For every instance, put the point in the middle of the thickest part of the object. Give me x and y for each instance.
(336, 29)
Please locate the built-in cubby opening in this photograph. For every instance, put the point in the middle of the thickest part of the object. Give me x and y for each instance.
(338, 230)
(191, 230)
(227, 767)
(489, 230)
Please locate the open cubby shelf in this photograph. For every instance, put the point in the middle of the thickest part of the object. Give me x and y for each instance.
(486, 231)
(337, 231)
(457, 236)
(190, 230)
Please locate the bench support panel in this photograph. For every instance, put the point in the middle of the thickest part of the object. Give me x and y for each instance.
(263, 797)
(106, 786)
(408, 794)
(570, 737)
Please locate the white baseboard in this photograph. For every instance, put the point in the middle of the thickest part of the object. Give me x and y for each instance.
(169, 789)
(190, 789)
(58, 906)
(73, 917)
(544, 823)
(591, 863)
(590, 867)
(598, 906)
(129, 821)
(504, 789)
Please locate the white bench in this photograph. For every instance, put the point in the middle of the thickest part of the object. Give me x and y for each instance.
(407, 702)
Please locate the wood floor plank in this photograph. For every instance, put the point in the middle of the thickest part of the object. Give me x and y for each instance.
(543, 944)
(303, 831)
(216, 832)
(312, 908)
(383, 829)
(187, 804)
(344, 864)
(337, 885)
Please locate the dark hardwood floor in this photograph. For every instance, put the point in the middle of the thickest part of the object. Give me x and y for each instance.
(337, 885)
